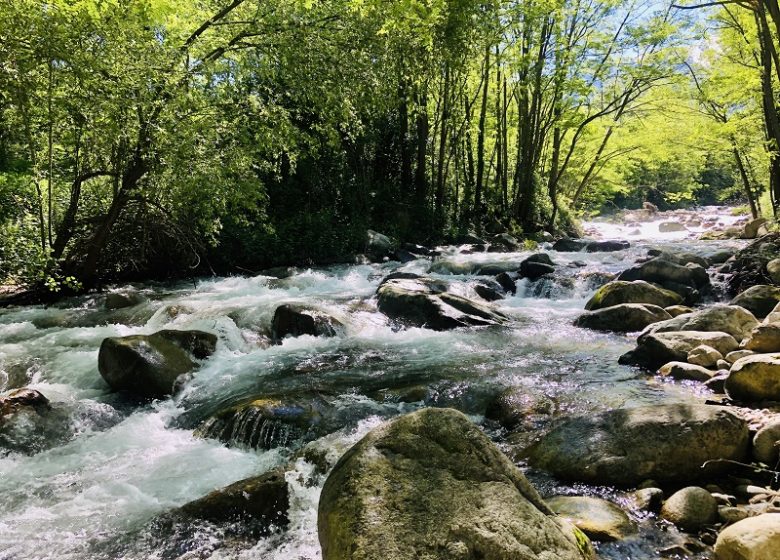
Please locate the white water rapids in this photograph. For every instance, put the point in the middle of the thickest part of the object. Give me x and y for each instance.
(112, 466)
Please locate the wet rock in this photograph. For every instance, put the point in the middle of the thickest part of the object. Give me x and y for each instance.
(732, 357)
(400, 276)
(749, 267)
(404, 256)
(754, 228)
(418, 250)
(506, 242)
(594, 280)
(598, 519)
(685, 371)
(123, 299)
(705, 356)
(489, 290)
(425, 303)
(718, 381)
(754, 538)
(627, 317)
(670, 227)
(766, 444)
(296, 320)
(270, 422)
(760, 300)
(263, 499)
(29, 423)
(534, 270)
(626, 446)
(149, 365)
(764, 338)
(457, 495)
(720, 257)
(691, 509)
(665, 272)
(566, 245)
(677, 310)
(471, 239)
(656, 349)
(507, 282)
(606, 246)
(730, 319)
(518, 405)
(617, 292)
(379, 247)
(648, 499)
(551, 286)
(755, 378)
(490, 269)
(681, 258)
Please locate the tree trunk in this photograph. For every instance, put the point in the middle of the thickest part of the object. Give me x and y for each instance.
(481, 141)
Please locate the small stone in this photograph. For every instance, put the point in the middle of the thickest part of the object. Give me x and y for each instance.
(691, 508)
(732, 357)
(722, 364)
(685, 371)
(729, 514)
(705, 356)
(765, 444)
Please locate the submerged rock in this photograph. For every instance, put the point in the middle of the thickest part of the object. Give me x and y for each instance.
(755, 378)
(656, 349)
(120, 300)
(431, 485)
(425, 303)
(627, 317)
(606, 246)
(149, 365)
(639, 291)
(534, 269)
(760, 300)
(599, 519)
(624, 447)
(691, 509)
(754, 538)
(518, 405)
(566, 245)
(296, 320)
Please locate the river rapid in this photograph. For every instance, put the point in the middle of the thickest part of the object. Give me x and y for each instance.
(110, 466)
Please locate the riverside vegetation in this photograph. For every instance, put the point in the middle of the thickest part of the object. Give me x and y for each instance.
(209, 350)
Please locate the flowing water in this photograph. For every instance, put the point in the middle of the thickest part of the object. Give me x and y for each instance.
(106, 467)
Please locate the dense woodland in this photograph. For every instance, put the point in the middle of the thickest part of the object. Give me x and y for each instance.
(158, 138)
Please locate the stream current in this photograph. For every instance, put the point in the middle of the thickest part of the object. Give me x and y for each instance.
(111, 466)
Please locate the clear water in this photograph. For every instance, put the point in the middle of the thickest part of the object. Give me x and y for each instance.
(113, 466)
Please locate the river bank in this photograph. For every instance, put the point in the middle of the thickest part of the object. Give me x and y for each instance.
(93, 479)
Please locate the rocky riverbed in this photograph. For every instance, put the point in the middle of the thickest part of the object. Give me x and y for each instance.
(612, 397)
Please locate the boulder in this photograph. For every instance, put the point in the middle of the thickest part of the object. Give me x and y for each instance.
(627, 317)
(507, 282)
(755, 378)
(567, 245)
(705, 356)
(679, 257)
(489, 290)
(754, 228)
(754, 538)
(749, 267)
(760, 300)
(28, 423)
(677, 310)
(122, 299)
(431, 485)
(774, 316)
(684, 371)
(296, 320)
(606, 246)
(671, 227)
(617, 292)
(263, 499)
(149, 365)
(379, 247)
(691, 509)
(507, 242)
(655, 349)
(732, 357)
(425, 303)
(599, 519)
(534, 270)
(730, 319)
(764, 338)
(773, 270)
(666, 272)
(766, 444)
(623, 447)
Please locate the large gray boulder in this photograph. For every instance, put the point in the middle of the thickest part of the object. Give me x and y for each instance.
(731, 319)
(149, 365)
(431, 485)
(627, 317)
(754, 538)
(639, 291)
(664, 272)
(655, 349)
(297, 320)
(624, 447)
(755, 378)
(426, 303)
(760, 300)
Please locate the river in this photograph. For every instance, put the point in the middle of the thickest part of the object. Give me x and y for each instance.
(110, 466)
